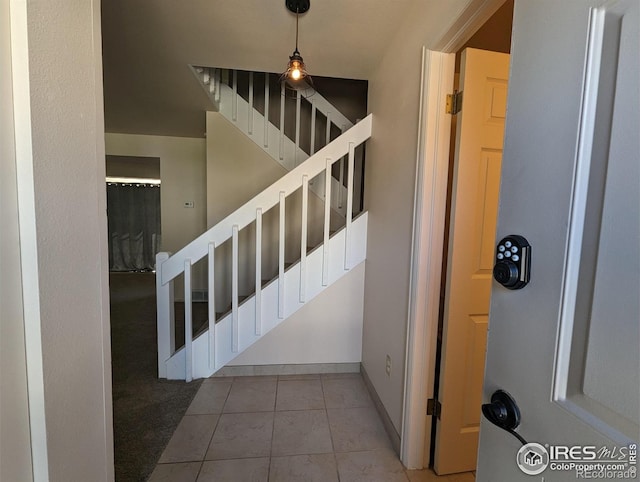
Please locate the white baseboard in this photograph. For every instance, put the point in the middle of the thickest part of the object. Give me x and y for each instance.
(302, 369)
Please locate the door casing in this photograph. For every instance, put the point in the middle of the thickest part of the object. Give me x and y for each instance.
(428, 227)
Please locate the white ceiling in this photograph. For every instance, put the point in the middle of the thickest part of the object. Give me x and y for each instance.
(147, 46)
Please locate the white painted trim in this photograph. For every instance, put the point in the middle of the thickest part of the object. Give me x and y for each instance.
(28, 237)
(471, 18)
(421, 355)
(432, 167)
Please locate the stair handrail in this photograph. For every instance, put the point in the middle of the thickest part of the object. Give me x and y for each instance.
(265, 200)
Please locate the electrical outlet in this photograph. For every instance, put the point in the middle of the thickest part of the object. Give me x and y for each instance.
(388, 366)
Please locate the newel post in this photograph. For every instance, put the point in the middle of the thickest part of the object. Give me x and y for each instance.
(166, 317)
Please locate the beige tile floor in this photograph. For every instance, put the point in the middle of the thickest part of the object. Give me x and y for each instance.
(310, 428)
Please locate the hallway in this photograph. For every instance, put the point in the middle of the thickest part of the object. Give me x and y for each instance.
(321, 428)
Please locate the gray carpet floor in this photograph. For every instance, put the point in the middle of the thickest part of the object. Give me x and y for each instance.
(146, 410)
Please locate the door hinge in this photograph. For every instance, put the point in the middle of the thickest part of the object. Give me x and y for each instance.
(454, 102)
(434, 407)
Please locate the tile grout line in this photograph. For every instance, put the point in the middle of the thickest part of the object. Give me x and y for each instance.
(204, 456)
(326, 413)
(273, 427)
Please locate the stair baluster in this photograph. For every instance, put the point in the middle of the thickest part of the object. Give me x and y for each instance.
(266, 110)
(303, 239)
(258, 294)
(349, 220)
(234, 99)
(234, 287)
(281, 254)
(250, 113)
(211, 307)
(188, 322)
(282, 122)
(327, 222)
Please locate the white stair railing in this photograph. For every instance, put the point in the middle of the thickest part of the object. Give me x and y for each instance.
(233, 328)
(225, 97)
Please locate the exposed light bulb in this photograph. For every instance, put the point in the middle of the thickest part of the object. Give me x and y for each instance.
(296, 71)
(296, 68)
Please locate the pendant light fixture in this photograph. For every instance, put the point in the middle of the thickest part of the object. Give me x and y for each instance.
(296, 77)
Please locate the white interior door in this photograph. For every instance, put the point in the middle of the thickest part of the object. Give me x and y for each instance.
(566, 346)
(474, 208)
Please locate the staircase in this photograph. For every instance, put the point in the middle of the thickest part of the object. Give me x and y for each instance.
(252, 316)
(256, 103)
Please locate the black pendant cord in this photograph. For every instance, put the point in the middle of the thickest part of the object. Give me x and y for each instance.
(297, 15)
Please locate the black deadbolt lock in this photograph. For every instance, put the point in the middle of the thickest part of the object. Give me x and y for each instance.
(513, 262)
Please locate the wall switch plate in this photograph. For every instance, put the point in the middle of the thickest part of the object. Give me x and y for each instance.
(388, 366)
(188, 204)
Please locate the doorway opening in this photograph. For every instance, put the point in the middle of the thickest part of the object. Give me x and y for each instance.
(133, 212)
(495, 36)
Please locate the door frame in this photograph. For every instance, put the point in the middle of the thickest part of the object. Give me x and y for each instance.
(432, 167)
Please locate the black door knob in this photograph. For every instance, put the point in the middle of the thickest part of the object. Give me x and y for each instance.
(502, 411)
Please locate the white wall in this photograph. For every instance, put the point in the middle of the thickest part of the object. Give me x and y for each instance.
(59, 152)
(328, 329)
(394, 91)
(237, 169)
(15, 442)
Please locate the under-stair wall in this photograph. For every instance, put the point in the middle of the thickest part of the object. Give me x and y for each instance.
(326, 330)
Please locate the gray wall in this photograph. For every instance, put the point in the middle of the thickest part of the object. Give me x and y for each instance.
(58, 122)
(394, 92)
